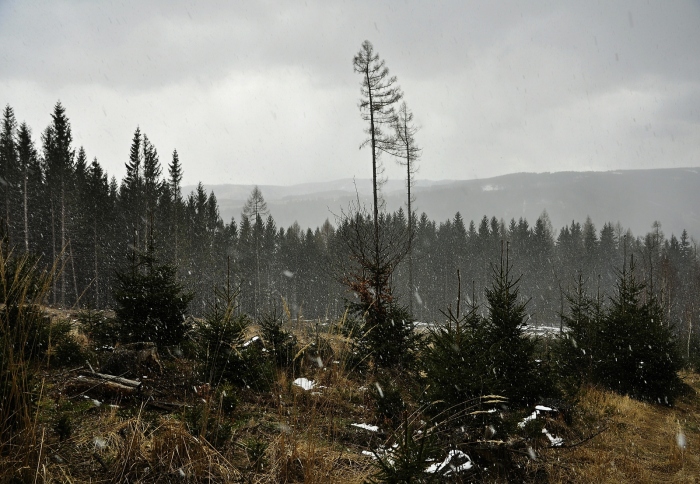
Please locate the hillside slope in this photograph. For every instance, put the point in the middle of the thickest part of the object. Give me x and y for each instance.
(635, 198)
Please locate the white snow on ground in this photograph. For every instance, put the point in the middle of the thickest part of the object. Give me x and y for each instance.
(371, 428)
(383, 452)
(680, 439)
(456, 460)
(555, 441)
(251, 340)
(533, 415)
(458, 454)
(527, 419)
(305, 383)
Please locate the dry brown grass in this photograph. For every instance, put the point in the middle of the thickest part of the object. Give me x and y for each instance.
(304, 436)
(640, 445)
(292, 435)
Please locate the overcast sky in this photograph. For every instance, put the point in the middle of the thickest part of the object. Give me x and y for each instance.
(264, 92)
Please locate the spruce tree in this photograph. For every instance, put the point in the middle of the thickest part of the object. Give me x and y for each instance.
(98, 212)
(637, 352)
(176, 205)
(31, 178)
(455, 365)
(59, 158)
(508, 351)
(578, 349)
(150, 303)
(9, 174)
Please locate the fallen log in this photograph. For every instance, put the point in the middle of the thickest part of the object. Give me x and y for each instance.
(113, 378)
(98, 387)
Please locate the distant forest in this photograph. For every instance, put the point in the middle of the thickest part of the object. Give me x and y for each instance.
(63, 207)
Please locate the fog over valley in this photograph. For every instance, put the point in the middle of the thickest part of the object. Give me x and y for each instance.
(634, 198)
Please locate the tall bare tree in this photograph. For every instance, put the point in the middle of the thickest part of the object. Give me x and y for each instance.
(405, 149)
(379, 95)
(375, 262)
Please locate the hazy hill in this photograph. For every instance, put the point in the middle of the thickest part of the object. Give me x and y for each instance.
(635, 198)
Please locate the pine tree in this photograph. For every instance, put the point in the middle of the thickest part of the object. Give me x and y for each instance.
(579, 345)
(98, 212)
(131, 193)
(152, 186)
(455, 366)
(637, 352)
(254, 210)
(150, 303)
(221, 337)
(405, 149)
(59, 159)
(80, 248)
(176, 204)
(31, 178)
(379, 96)
(510, 354)
(9, 172)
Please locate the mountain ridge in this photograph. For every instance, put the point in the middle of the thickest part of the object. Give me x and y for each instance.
(634, 198)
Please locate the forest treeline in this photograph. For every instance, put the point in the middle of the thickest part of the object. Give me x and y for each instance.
(61, 206)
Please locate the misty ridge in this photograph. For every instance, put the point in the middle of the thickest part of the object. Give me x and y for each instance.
(634, 198)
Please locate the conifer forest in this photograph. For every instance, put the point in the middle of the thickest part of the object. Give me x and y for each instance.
(60, 205)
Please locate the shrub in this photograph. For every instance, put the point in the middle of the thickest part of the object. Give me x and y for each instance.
(281, 344)
(637, 354)
(150, 303)
(455, 366)
(102, 331)
(385, 335)
(389, 403)
(408, 459)
(221, 347)
(203, 420)
(65, 348)
(507, 350)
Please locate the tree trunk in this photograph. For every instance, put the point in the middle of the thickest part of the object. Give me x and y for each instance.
(53, 247)
(377, 275)
(26, 216)
(63, 245)
(97, 279)
(410, 233)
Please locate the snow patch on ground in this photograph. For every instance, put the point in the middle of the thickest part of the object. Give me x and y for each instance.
(371, 428)
(533, 416)
(554, 441)
(251, 340)
(457, 455)
(305, 383)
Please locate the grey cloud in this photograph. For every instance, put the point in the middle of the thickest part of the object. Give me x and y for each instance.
(497, 86)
